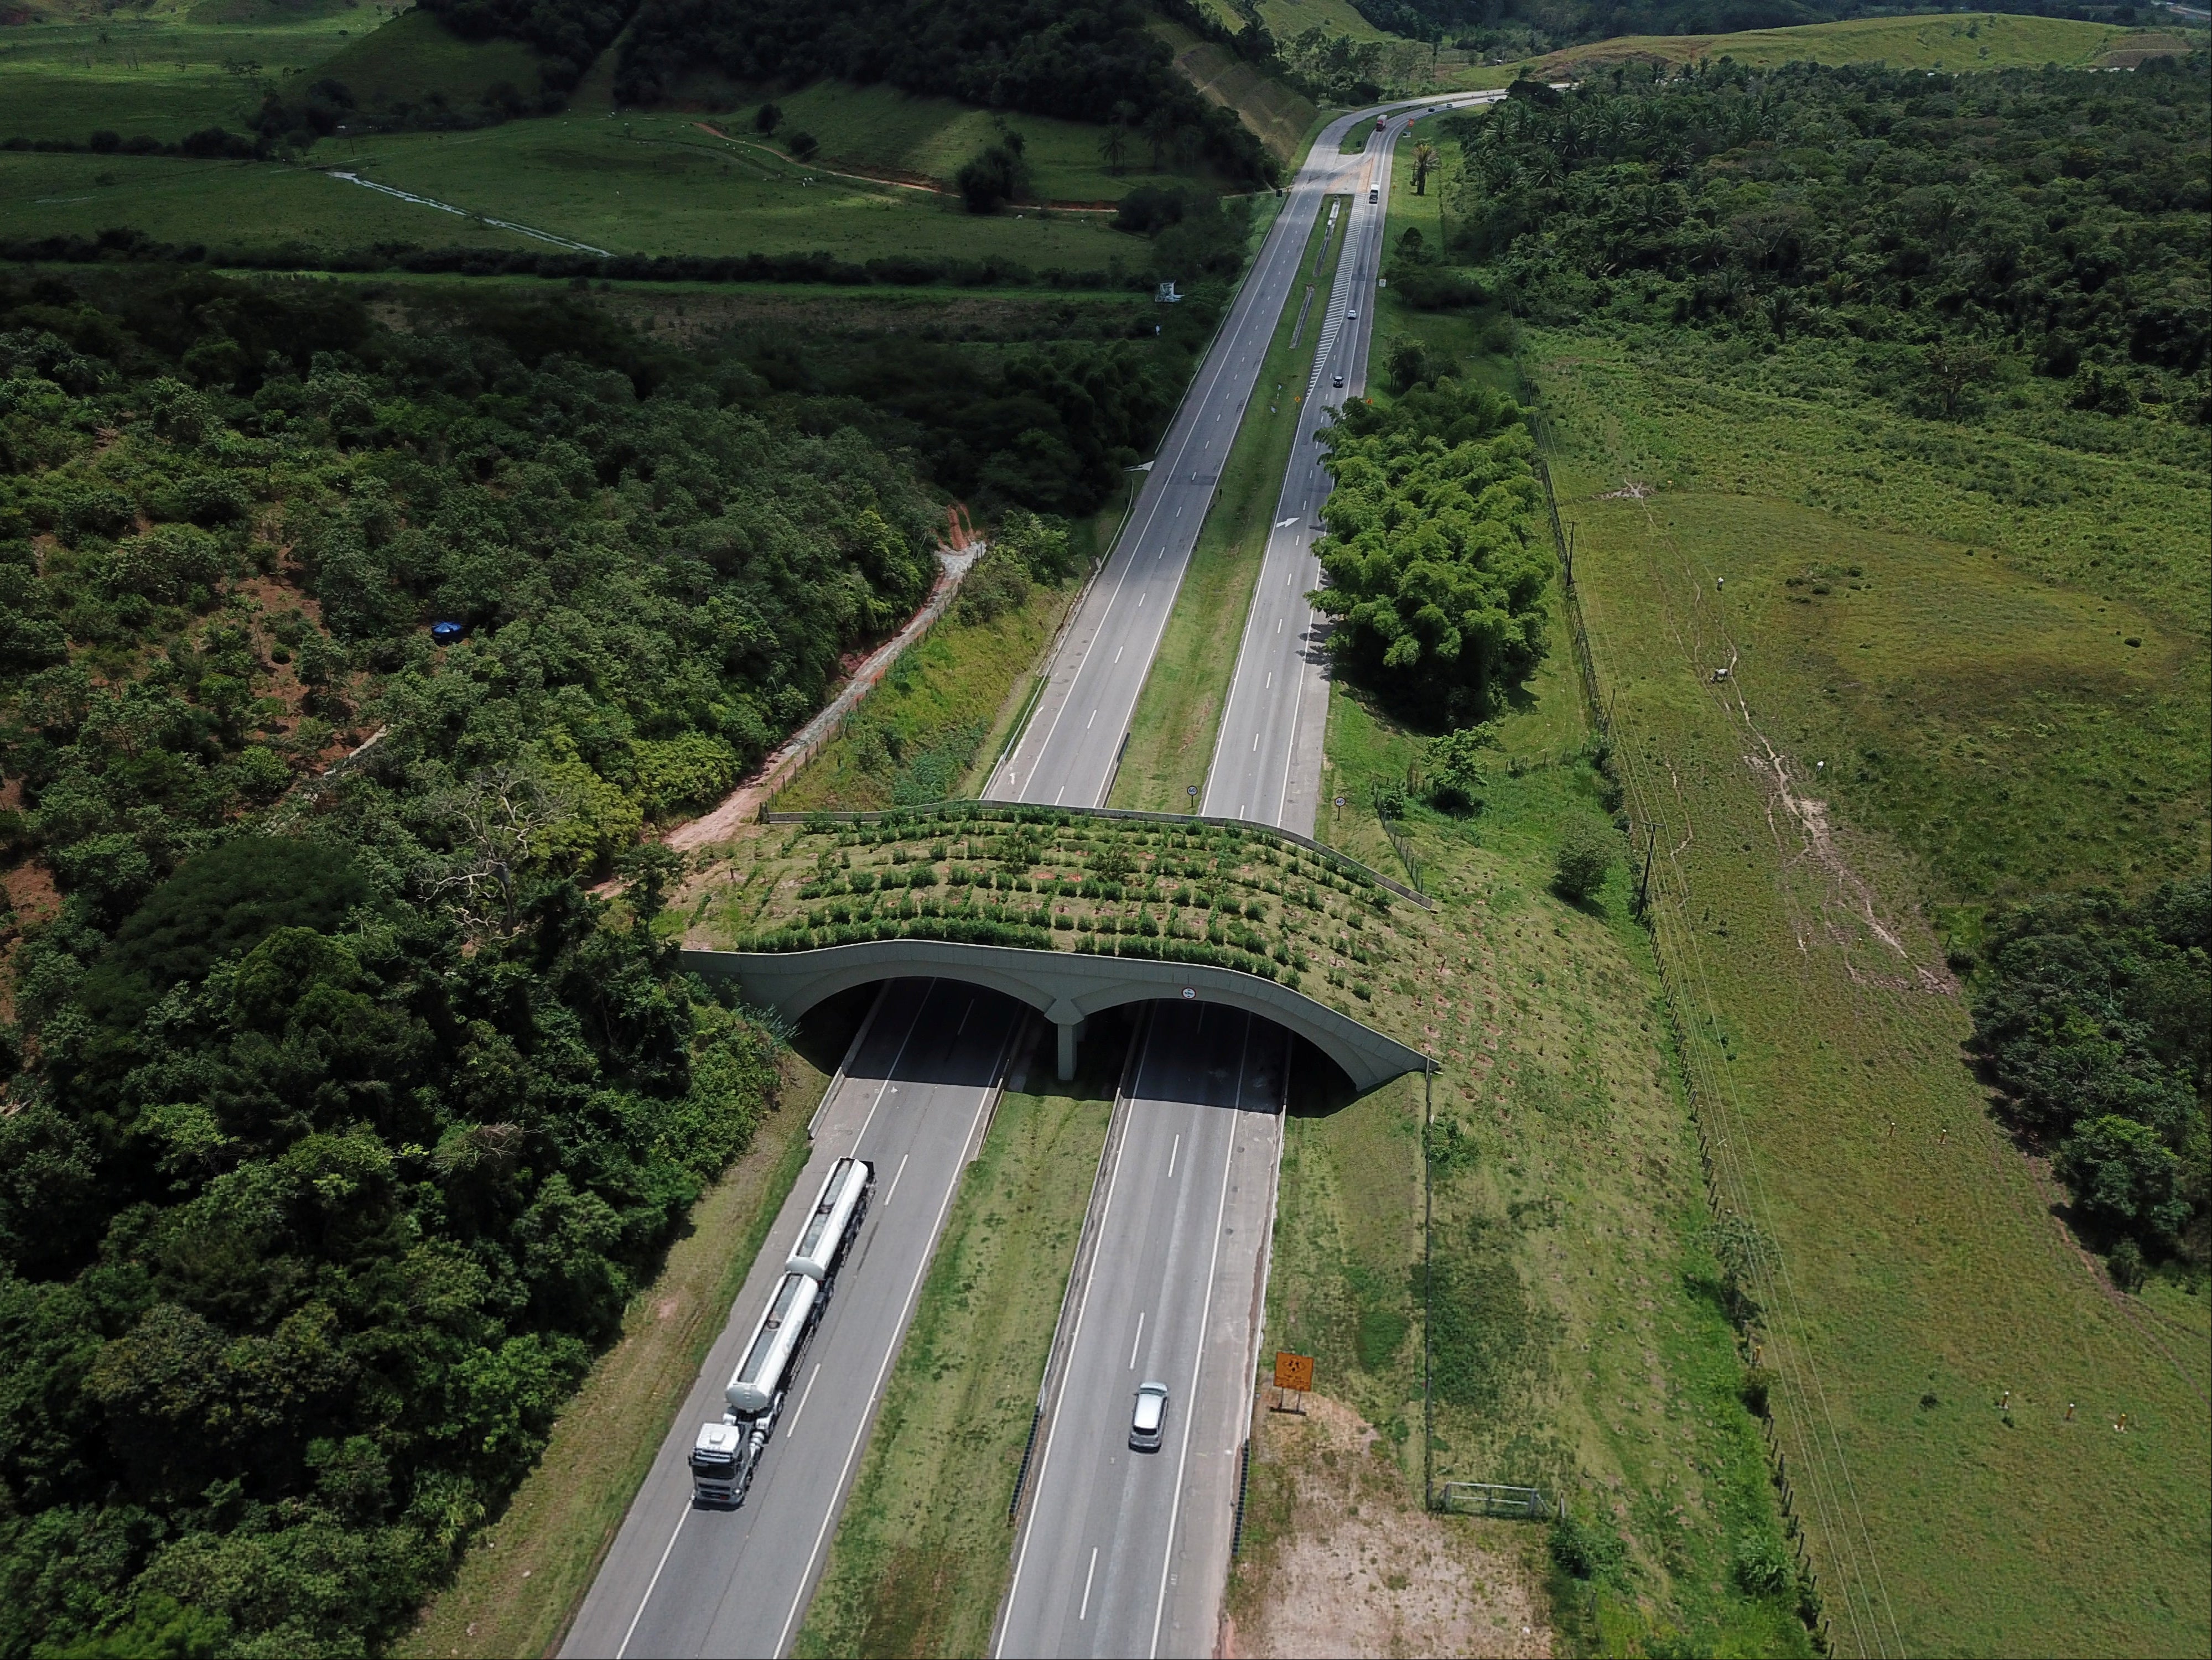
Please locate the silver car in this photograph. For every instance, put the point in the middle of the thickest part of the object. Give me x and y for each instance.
(1149, 1421)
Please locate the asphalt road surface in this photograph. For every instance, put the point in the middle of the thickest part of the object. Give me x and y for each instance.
(680, 1581)
(1066, 754)
(1268, 756)
(1124, 1552)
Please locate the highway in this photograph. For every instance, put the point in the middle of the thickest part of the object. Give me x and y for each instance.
(1267, 754)
(1116, 1554)
(680, 1581)
(1123, 1553)
(1066, 756)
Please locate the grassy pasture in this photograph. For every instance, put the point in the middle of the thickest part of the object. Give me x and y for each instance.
(1284, 119)
(1288, 19)
(241, 204)
(1994, 640)
(1931, 1322)
(414, 59)
(902, 135)
(923, 1552)
(1957, 41)
(1178, 714)
(163, 74)
(660, 183)
(647, 185)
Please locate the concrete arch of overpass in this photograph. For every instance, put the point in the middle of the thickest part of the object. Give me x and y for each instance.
(1065, 987)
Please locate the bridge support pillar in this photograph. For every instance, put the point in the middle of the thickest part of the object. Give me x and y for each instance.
(1069, 1019)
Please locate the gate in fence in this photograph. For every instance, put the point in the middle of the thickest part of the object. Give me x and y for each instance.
(1487, 1499)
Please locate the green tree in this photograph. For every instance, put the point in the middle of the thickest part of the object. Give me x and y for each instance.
(1586, 857)
(2124, 1176)
(1456, 774)
(1433, 576)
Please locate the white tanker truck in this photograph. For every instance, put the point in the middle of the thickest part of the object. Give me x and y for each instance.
(724, 1454)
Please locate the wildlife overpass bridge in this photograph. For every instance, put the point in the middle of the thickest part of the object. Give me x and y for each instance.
(1065, 987)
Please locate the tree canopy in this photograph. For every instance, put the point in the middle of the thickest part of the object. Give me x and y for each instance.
(2095, 1016)
(1428, 564)
(1083, 60)
(342, 1119)
(1940, 231)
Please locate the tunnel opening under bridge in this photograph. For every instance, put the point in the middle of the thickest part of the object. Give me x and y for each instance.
(1070, 989)
(1106, 1046)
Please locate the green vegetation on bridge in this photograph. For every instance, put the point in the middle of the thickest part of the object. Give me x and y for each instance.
(1174, 890)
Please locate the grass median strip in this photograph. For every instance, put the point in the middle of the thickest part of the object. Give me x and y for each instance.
(921, 1557)
(518, 1590)
(1178, 714)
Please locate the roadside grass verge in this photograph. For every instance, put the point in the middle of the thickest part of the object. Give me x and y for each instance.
(1178, 714)
(1578, 1344)
(1969, 40)
(1965, 675)
(1090, 540)
(522, 1582)
(1577, 1338)
(917, 736)
(923, 1551)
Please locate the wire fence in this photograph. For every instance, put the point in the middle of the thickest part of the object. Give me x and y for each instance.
(1729, 1188)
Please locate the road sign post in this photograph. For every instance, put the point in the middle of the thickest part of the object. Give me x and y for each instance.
(1294, 1375)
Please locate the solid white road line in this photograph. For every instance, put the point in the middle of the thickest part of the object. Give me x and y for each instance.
(1075, 1337)
(1198, 1361)
(645, 1601)
(890, 1354)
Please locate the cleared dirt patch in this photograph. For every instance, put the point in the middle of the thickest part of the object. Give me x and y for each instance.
(1356, 1568)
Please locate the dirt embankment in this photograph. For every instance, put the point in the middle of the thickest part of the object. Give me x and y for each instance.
(1352, 1565)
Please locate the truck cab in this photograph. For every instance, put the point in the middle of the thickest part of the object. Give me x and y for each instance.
(717, 1464)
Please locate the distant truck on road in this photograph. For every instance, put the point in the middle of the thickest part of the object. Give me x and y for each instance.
(724, 1454)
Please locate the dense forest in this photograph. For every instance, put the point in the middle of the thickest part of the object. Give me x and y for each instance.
(1083, 60)
(1944, 235)
(343, 1118)
(1431, 564)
